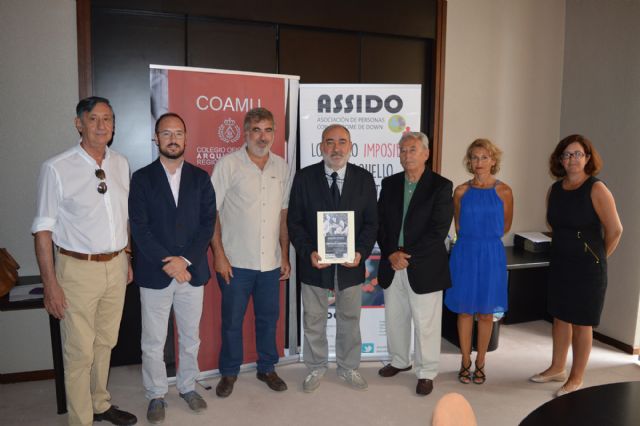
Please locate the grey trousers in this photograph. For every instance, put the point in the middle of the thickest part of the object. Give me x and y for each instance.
(348, 341)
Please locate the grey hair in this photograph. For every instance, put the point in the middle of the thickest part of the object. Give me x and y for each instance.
(88, 104)
(334, 126)
(256, 115)
(415, 135)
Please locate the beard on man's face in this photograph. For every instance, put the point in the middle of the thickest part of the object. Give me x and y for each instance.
(171, 154)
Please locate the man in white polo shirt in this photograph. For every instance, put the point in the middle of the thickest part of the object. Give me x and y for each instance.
(251, 247)
(81, 219)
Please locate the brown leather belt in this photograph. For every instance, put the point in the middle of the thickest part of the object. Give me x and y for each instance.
(100, 257)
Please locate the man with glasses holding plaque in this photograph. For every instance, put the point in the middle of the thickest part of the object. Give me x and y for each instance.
(172, 211)
(332, 185)
(81, 220)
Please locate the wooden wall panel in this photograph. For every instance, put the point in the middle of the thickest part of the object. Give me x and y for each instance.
(394, 60)
(232, 45)
(387, 59)
(400, 17)
(320, 56)
(123, 46)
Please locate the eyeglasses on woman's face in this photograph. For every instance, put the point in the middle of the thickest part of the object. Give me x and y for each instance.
(578, 155)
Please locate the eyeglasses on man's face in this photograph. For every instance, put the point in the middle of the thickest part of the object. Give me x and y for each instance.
(168, 134)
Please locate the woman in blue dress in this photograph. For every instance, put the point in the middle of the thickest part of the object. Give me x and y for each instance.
(483, 213)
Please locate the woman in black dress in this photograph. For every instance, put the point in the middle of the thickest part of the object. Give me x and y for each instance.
(582, 214)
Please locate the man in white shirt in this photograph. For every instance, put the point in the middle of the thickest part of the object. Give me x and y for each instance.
(81, 219)
(251, 247)
(172, 210)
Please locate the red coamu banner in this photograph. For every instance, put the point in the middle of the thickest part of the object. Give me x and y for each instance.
(213, 104)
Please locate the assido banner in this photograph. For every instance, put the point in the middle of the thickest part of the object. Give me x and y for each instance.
(376, 116)
(213, 104)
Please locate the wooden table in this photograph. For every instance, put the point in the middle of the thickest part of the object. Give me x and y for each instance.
(56, 340)
(527, 287)
(528, 276)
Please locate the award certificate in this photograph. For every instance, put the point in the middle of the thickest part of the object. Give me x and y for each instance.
(336, 241)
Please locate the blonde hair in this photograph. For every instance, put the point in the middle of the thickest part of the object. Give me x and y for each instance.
(494, 152)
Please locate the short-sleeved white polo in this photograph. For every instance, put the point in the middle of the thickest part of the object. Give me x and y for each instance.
(249, 202)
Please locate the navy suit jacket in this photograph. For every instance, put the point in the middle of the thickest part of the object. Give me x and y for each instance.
(425, 228)
(310, 193)
(159, 228)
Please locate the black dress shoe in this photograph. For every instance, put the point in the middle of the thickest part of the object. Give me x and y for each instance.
(225, 386)
(424, 387)
(115, 416)
(390, 371)
(272, 380)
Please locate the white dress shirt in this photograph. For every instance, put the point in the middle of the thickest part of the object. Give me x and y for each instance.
(70, 206)
(174, 184)
(250, 201)
(174, 181)
(339, 179)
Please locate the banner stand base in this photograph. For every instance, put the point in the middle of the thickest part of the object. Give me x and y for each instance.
(210, 374)
(286, 360)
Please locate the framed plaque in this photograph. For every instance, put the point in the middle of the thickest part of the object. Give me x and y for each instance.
(336, 241)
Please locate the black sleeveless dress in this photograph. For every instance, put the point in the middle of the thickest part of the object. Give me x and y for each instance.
(578, 270)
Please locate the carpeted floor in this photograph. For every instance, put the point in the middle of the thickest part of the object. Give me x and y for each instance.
(505, 399)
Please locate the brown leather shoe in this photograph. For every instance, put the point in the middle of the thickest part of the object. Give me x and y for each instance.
(115, 416)
(225, 386)
(390, 371)
(424, 387)
(272, 380)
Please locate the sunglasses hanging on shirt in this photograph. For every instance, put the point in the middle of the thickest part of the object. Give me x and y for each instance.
(102, 186)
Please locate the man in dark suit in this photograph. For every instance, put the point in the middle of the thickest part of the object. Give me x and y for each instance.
(172, 210)
(415, 211)
(332, 184)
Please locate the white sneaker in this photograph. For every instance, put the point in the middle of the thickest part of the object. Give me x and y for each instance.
(354, 378)
(312, 381)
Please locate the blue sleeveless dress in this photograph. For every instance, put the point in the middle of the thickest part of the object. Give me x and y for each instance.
(478, 262)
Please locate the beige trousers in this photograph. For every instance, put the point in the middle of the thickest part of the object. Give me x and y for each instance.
(95, 296)
(401, 306)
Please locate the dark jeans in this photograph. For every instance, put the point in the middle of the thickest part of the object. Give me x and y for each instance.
(265, 289)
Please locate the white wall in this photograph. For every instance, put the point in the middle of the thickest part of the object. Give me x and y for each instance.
(39, 87)
(503, 82)
(601, 99)
(26, 342)
(522, 75)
